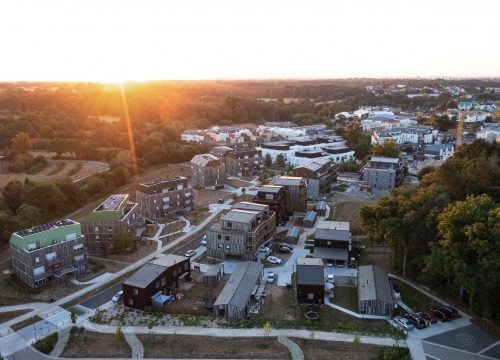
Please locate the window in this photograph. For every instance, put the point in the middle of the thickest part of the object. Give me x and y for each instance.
(136, 291)
(96, 229)
(110, 228)
(310, 296)
(37, 260)
(230, 225)
(157, 284)
(227, 238)
(175, 272)
(97, 238)
(329, 243)
(163, 281)
(219, 236)
(130, 301)
(186, 266)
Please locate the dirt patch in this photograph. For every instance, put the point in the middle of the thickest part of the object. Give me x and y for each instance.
(348, 210)
(88, 344)
(197, 216)
(205, 197)
(235, 183)
(376, 255)
(319, 349)
(170, 228)
(26, 322)
(201, 347)
(144, 249)
(346, 296)
(280, 303)
(6, 316)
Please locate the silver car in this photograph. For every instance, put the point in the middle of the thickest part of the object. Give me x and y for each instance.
(403, 323)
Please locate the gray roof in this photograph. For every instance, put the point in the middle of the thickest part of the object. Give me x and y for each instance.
(288, 180)
(271, 188)
(112, 203)
(373, 284)
(241, 216)
(321, 205)
(145, 275)
(244, 205)
(239, 287)
(332, 230)
(385, 159)
(330, 253)
(214, 270)
(293, 232)
(310, 216)
(168, 260)
(204, 159)
(310, 275)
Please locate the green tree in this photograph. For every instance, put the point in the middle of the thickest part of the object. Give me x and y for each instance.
(12, 194)
(123, 241)
(28, 216)
(358, 140)
(268, 161)
(45, 196)
(388, 149)
(280, 160)
(74, 317)
(21, 143)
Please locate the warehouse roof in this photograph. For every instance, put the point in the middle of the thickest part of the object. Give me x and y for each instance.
(288, 180)
(239, 287)
(310, 275)
(310, 216)
(373, 284)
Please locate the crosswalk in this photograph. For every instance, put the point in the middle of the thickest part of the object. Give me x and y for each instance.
(80, 309)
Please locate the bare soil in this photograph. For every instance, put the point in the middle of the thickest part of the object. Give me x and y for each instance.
(26, 322)
(6, 316)
(88, 344)
(199, 347)
(347, 209)
(376, 255)
(197, 216)
(280, 303)
(346, 296)
(205, 197)
(319, 349)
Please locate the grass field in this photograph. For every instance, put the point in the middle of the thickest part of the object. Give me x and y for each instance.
(348, 210)
(318, 349)
(88, 344)
(411, 297)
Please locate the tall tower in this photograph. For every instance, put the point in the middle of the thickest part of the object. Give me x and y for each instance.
(460, 128)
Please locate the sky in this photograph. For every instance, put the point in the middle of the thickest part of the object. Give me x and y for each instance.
(122, 40)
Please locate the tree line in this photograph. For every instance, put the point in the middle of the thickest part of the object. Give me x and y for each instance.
(446, 231)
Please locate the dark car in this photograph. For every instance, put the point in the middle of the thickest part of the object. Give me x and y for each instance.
(450, 311)
(284, 249)
(440, 315)
(429, 317)
(417, 320)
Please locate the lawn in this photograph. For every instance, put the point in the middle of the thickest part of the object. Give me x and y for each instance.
(319, 349)
(349, 211)
(346, 296)
(88, 344)
(201, 347)
(411, 297)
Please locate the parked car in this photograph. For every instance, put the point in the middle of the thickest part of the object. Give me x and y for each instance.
(221, 201)
(264, 249)
(190, 253)
(270, 278)
(330, 279)
(417, 320)
(329, 263)
(309, 256)
(204, 240)
(440, 315)
(284, 249)
(429, 316)
(117, 297)
(403, 323)
(273, 260)
(450, 311)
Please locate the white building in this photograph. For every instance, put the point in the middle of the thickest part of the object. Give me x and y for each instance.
(490, 133)
(439, 151)
(193, 136)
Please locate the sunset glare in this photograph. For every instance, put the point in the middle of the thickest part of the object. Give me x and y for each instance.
(95, 40)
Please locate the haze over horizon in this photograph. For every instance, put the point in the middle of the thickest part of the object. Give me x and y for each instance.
(112, 41)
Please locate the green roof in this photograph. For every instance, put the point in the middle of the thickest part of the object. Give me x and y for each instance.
(47, 234)
(114, 208)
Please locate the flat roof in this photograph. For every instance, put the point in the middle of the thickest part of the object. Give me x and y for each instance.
(154, 182)
(271, 188)
(373, 284)
(385, 159)
(288, 180)
(45, 227)
(333, 225)
(330, 253)
(310, 275)
(310, 216)
(145, 275)
(309, 261)
(293, 232)
(168, 260)
(321, 205)
(112, 203)
(243, 216)
(204, 159)
(245, 205)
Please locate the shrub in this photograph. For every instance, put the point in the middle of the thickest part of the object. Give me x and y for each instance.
(46, 345)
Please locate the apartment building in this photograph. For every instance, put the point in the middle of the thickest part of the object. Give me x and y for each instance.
(162, 197)
(275, 197)
(333, 241)
(207, 172)
(296, 193)
(115, 214)
(320, 174)
(48, 252)
(244, 163)
(382, 173)
(240, 233)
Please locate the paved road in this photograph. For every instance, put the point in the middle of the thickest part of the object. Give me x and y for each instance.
(192, 245)
(97, 300)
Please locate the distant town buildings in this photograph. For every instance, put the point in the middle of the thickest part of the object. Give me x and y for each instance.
(162, 197)
(114, 215)
(439, 151)
(48, 252)
(320, 174)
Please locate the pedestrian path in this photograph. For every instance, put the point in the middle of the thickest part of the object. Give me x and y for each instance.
(97, 279)
(135, 345)
(352, 313)
(62, 340)
(295, 350)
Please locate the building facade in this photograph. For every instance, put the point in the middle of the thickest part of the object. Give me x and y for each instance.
(383, 173)
(374, 291)
(296, 193)
(240, 233)
(207, 172)
(244, 163)
(112, 216)
(275, 197)
(162, 197)
(320, 174)
(310, 281)
(48, 252)
(333, 241)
